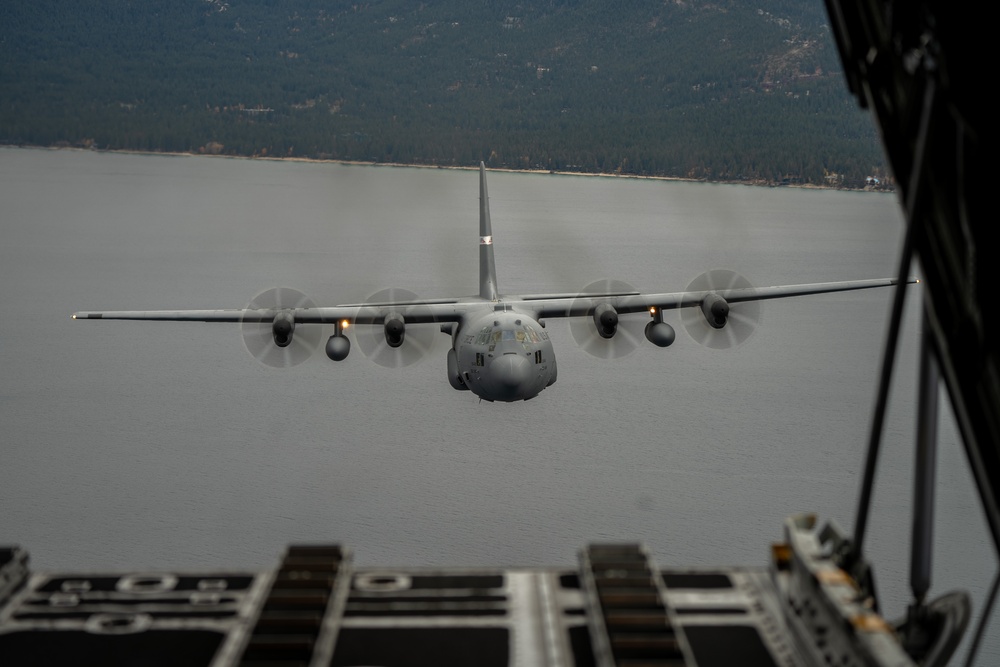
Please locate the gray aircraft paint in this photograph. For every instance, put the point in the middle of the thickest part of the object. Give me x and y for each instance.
(486, 367)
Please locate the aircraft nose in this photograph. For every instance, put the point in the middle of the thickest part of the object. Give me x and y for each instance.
(511, 374)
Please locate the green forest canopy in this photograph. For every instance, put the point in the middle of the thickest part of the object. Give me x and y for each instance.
(716, 90)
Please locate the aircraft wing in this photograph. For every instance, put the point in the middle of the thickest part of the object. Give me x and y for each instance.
(452, 310)
(634, 302)
(413, 312)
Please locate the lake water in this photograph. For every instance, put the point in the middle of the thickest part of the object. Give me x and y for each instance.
(165, 445)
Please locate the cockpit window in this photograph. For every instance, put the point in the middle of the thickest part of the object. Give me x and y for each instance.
(523, 334)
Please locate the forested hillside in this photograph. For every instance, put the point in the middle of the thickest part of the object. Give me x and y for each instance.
(721, 90)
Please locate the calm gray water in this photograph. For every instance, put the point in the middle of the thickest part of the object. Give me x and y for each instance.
(165, 445)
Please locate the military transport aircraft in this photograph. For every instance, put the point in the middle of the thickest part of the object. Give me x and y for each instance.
(500, 350)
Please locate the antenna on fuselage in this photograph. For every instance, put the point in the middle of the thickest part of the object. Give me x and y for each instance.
(487, 266)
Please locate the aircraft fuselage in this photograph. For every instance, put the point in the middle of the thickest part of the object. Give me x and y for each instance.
(501, 355)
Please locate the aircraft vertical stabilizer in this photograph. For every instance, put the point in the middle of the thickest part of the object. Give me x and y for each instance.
(487, 266)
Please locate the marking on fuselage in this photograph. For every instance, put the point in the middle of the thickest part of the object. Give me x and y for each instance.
(485, 240)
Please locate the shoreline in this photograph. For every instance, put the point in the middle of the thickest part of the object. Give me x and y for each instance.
(362, 163)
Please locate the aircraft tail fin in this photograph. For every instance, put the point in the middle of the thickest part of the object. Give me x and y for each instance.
(487, 265)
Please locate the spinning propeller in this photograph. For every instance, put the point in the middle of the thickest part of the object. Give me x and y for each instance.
(603, 334)
(277, 342)
(718, 324)
(393, 344)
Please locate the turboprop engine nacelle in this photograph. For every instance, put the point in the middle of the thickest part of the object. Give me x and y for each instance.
(716, 310)
(282, 329)
(395, 330)
(606, 320)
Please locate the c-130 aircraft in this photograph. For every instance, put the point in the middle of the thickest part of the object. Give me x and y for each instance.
(500, 349)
